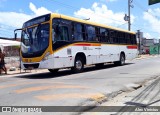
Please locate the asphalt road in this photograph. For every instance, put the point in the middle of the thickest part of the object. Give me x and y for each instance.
(90, 88)
(142, 101)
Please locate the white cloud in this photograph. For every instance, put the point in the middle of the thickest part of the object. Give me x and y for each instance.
(16, 19)
(12, 20)
(109, 0)
(101, 14)
(38, 11)
(147, 35)
(153, 18)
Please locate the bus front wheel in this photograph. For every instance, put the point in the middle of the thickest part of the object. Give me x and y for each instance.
(78, 65)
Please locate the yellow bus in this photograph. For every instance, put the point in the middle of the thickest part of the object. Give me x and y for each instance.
(56, 41)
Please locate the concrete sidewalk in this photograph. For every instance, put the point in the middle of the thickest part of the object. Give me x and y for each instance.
(146, 56)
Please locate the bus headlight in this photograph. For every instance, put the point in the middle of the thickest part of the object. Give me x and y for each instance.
(46, 56)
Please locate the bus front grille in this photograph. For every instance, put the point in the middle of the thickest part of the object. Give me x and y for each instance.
(36, 65)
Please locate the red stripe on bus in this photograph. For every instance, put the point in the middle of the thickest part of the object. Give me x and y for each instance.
(82, 44)
(92, 44)
(132, 47)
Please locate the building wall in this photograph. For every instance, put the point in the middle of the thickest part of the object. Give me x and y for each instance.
(146, 43)
(11, 51)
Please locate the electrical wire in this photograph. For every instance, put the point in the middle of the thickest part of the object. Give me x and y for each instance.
(144, 9)
(76, 8)
(122, 24)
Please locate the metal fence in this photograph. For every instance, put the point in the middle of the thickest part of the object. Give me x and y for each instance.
(12, 62)
(155, 49)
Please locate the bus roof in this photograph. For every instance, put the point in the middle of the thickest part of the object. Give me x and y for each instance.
(55, 15)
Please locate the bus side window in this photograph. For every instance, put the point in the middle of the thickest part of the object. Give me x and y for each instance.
(114, 36)
(111, 36)
(91, 34)
(128, 40)
(133, 39)
(64, 36)
(122, 38)
(78, 32)
(102, 35)
(97, 30)
(107, 36)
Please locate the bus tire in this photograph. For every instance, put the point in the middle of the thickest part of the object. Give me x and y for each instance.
(53, 70)
(121, 60)
(78, 65)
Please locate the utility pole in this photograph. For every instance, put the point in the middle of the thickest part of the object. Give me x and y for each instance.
(139, 40)
(129, 13)
(129, 19)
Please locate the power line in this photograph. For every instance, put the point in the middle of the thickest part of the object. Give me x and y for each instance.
(6, 29)
(6, 32)
(76, 8)
(5, 35)
(144, 9)
(146, 29)
(122, 24)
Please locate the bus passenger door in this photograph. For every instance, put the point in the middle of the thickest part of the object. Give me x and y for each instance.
(93, 45)
(62, 54)
(106, 51)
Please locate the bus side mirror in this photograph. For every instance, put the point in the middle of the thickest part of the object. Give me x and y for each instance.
(15, 36)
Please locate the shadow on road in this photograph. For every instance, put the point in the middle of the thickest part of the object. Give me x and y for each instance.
(66, 72)
(146, 98)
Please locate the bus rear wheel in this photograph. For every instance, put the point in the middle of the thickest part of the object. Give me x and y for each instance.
(121, 60)
(53, 70)
(78, 65)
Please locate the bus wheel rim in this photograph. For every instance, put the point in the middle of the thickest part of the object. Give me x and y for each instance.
(122, 60)
(78, 64)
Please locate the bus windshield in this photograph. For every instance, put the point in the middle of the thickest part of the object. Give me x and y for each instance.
(35, 39)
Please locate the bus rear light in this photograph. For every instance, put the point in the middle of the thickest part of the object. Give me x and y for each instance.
(131, 47)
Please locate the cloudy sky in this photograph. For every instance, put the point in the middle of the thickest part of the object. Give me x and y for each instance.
(13, 13)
